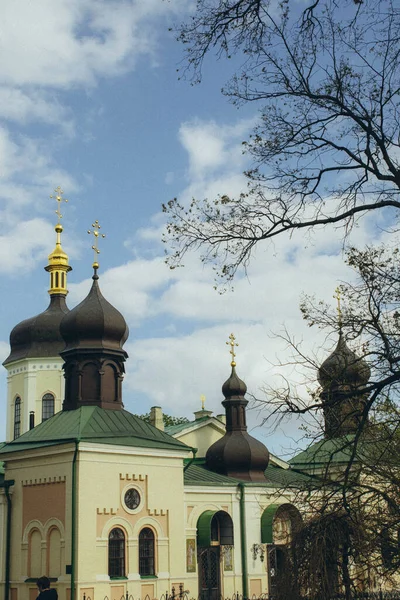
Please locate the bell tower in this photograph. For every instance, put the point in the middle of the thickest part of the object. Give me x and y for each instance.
(35, 382)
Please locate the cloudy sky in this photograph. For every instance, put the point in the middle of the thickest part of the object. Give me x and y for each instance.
(90, 99)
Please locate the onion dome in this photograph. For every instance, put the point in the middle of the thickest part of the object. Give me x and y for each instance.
(40, 336)
(94, 333)
(237, 454)
(94, 323)
(343, 377)
(234, 387)
(343, 367)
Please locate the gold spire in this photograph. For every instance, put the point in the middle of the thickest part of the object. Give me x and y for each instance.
(339, 308)
(203, 400)
(96, 232)
(58, 266)
(232, 343)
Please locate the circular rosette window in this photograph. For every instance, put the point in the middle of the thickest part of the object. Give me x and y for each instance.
(132, 499)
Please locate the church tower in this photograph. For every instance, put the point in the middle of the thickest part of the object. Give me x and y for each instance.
(237, 454)
(343, 377)
(35, 382)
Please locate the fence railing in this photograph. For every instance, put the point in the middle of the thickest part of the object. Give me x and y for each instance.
(182, 594)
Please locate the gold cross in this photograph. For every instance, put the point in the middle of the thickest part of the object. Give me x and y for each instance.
(58, 197)
(232, 343)
(97, 234)
(339, 308)
(203, 399)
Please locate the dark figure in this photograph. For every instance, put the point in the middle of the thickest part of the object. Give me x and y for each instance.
(45, 593)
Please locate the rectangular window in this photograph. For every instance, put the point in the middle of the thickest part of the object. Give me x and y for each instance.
(17, 418)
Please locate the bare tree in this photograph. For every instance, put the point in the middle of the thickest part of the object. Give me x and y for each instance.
(351, 535)
(326, 147)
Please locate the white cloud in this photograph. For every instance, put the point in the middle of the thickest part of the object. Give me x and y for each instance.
(24, 245)
(73, 42)
(211, 146)
(37, 106)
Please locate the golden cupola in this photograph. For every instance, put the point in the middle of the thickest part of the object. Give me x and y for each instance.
(58, 266)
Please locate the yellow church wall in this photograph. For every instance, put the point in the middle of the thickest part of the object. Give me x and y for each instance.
(201, 438)
(104, 475)
(199, 500)
(41, 497)
(3, 516)
(30, 379)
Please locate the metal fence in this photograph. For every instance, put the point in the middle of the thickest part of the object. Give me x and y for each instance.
(182, 594)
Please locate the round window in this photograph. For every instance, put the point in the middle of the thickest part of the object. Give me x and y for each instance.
(132, 498)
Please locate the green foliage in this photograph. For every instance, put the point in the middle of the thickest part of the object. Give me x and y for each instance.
(168, 419)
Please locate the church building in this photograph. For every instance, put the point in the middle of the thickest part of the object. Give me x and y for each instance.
(107, 505)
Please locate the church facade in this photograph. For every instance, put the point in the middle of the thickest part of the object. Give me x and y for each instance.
(105, 504)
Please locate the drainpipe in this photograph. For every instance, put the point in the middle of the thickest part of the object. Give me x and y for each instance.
(7, 484)
(243, 539)
(73, 521)
(194, 452)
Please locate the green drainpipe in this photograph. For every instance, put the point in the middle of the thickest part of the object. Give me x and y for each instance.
(73, 521)
(243, 539)
(194, 452)
(7, 484)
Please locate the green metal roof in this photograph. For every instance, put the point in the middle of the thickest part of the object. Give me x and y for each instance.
(197, 474)
(174, 429)
(331, 451)
(94, 424)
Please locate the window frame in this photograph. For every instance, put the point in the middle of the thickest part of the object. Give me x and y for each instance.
(117, 553)
(17, 417)
(48, 397)
(147, 552)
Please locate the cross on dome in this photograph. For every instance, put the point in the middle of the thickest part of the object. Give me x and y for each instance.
(232, 343)
(96, 233)
(58, 197)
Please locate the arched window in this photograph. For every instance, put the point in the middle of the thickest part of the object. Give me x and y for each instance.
(35, 553)
(146, 552)
(17, 417)
(116, 553)
(54, 552)
(47, 406)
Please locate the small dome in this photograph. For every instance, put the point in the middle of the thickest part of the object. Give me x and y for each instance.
(343, 366)
(234, 386)
(94, 323)
(39, 336)
(237, 454)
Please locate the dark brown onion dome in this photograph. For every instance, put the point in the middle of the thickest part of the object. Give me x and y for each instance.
(94, 323)
(94, 333)
(237, 454)
(40, 336)
(234, 387)
(343, 366)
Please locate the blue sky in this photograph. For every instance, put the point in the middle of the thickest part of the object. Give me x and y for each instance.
(90, 99)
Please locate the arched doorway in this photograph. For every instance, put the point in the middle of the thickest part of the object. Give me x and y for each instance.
(214, 530)
(278, 524)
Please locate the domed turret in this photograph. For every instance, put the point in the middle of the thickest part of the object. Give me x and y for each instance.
(343, 377)
(94, 324)
(343, 366)
(94, 333)
(39, 336)
(36, 344)
(237, 453)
